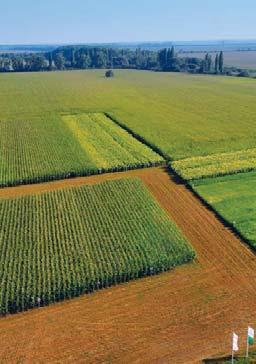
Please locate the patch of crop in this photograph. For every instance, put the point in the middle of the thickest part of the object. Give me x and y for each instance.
(234, 198)
(216, 164)
(63, 243)
(182, 115)
(44, 150)
(110, 147)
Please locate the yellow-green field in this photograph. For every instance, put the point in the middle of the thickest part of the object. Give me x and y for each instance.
(216, 164)
(37, 150)
(184, 115)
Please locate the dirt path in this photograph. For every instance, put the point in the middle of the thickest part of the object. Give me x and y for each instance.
(177, 317)
(22, 190)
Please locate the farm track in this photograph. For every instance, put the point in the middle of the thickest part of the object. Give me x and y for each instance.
(177, 317)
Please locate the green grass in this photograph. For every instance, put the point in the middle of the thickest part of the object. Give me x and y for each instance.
(183, 115)
(216, 164)
(234, 198)
(50, 148)
(63, 243)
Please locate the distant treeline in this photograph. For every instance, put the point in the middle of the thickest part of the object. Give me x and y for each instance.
(84, 57)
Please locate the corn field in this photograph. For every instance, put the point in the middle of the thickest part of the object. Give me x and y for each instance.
(109, 146)
(43, 150)
(60, 244)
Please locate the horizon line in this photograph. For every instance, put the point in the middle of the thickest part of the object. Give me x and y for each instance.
(217, 40)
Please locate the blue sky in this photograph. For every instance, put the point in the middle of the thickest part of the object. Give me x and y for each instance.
(83, 21)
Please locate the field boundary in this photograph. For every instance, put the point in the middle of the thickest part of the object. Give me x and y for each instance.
(222, 219)
(138, 136)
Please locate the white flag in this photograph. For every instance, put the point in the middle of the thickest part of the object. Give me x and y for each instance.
(250, 336)
(235, 342)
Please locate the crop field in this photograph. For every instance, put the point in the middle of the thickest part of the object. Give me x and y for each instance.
(43, 150)
(234, 198)
(216, 164)
(180, 316)
(62, 243)
(183, 115)
(107, 145)
(76, 235)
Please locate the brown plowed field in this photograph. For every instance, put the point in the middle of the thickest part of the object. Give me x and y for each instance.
(177, 317)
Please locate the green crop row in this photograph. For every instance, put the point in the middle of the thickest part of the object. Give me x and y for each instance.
(233, 197)
(66, 242)
(108, 145)
(43, 150)
(216, 164)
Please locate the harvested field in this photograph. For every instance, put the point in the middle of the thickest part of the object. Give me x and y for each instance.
(178, 317)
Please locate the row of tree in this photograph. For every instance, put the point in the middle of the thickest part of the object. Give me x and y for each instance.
(82, 57)
(208, 66)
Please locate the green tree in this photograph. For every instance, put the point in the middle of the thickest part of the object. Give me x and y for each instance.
(59, 61)
(50, 61)
(83, 61)
(109, 74)
(162, 56)
(18, 64)
(172, 52)
(73, 59)
(221, 62)
(209, 63)
(205, 63)
(217, 63)
(38, 62)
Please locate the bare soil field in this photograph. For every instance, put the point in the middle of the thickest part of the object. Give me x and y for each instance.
(244, 59)
(177, 317)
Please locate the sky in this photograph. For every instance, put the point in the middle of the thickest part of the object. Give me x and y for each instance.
(103, 21)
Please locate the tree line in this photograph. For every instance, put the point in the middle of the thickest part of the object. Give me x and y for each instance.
(84, 57)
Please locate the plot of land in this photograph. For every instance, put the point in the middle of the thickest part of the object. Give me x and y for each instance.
(234, 198)
(59, 244)
(177, 317)
(183, 115)
(109, 146)
(241, 59)
(216, 164)
(43, 150)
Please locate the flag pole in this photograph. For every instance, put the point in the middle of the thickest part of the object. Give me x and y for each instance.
(232, 355)
(247, 346)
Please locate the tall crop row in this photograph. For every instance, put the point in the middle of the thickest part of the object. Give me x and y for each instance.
(60, 244)
(216, 164)
(109, 146)
(43, 150)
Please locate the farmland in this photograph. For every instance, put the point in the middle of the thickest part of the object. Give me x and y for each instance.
(234, 198)
(180, 317)
(109, 146)
(183, 115)
(216, 164)
(43, 150)
(65, 237)
(241, 59)
(58, 249)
